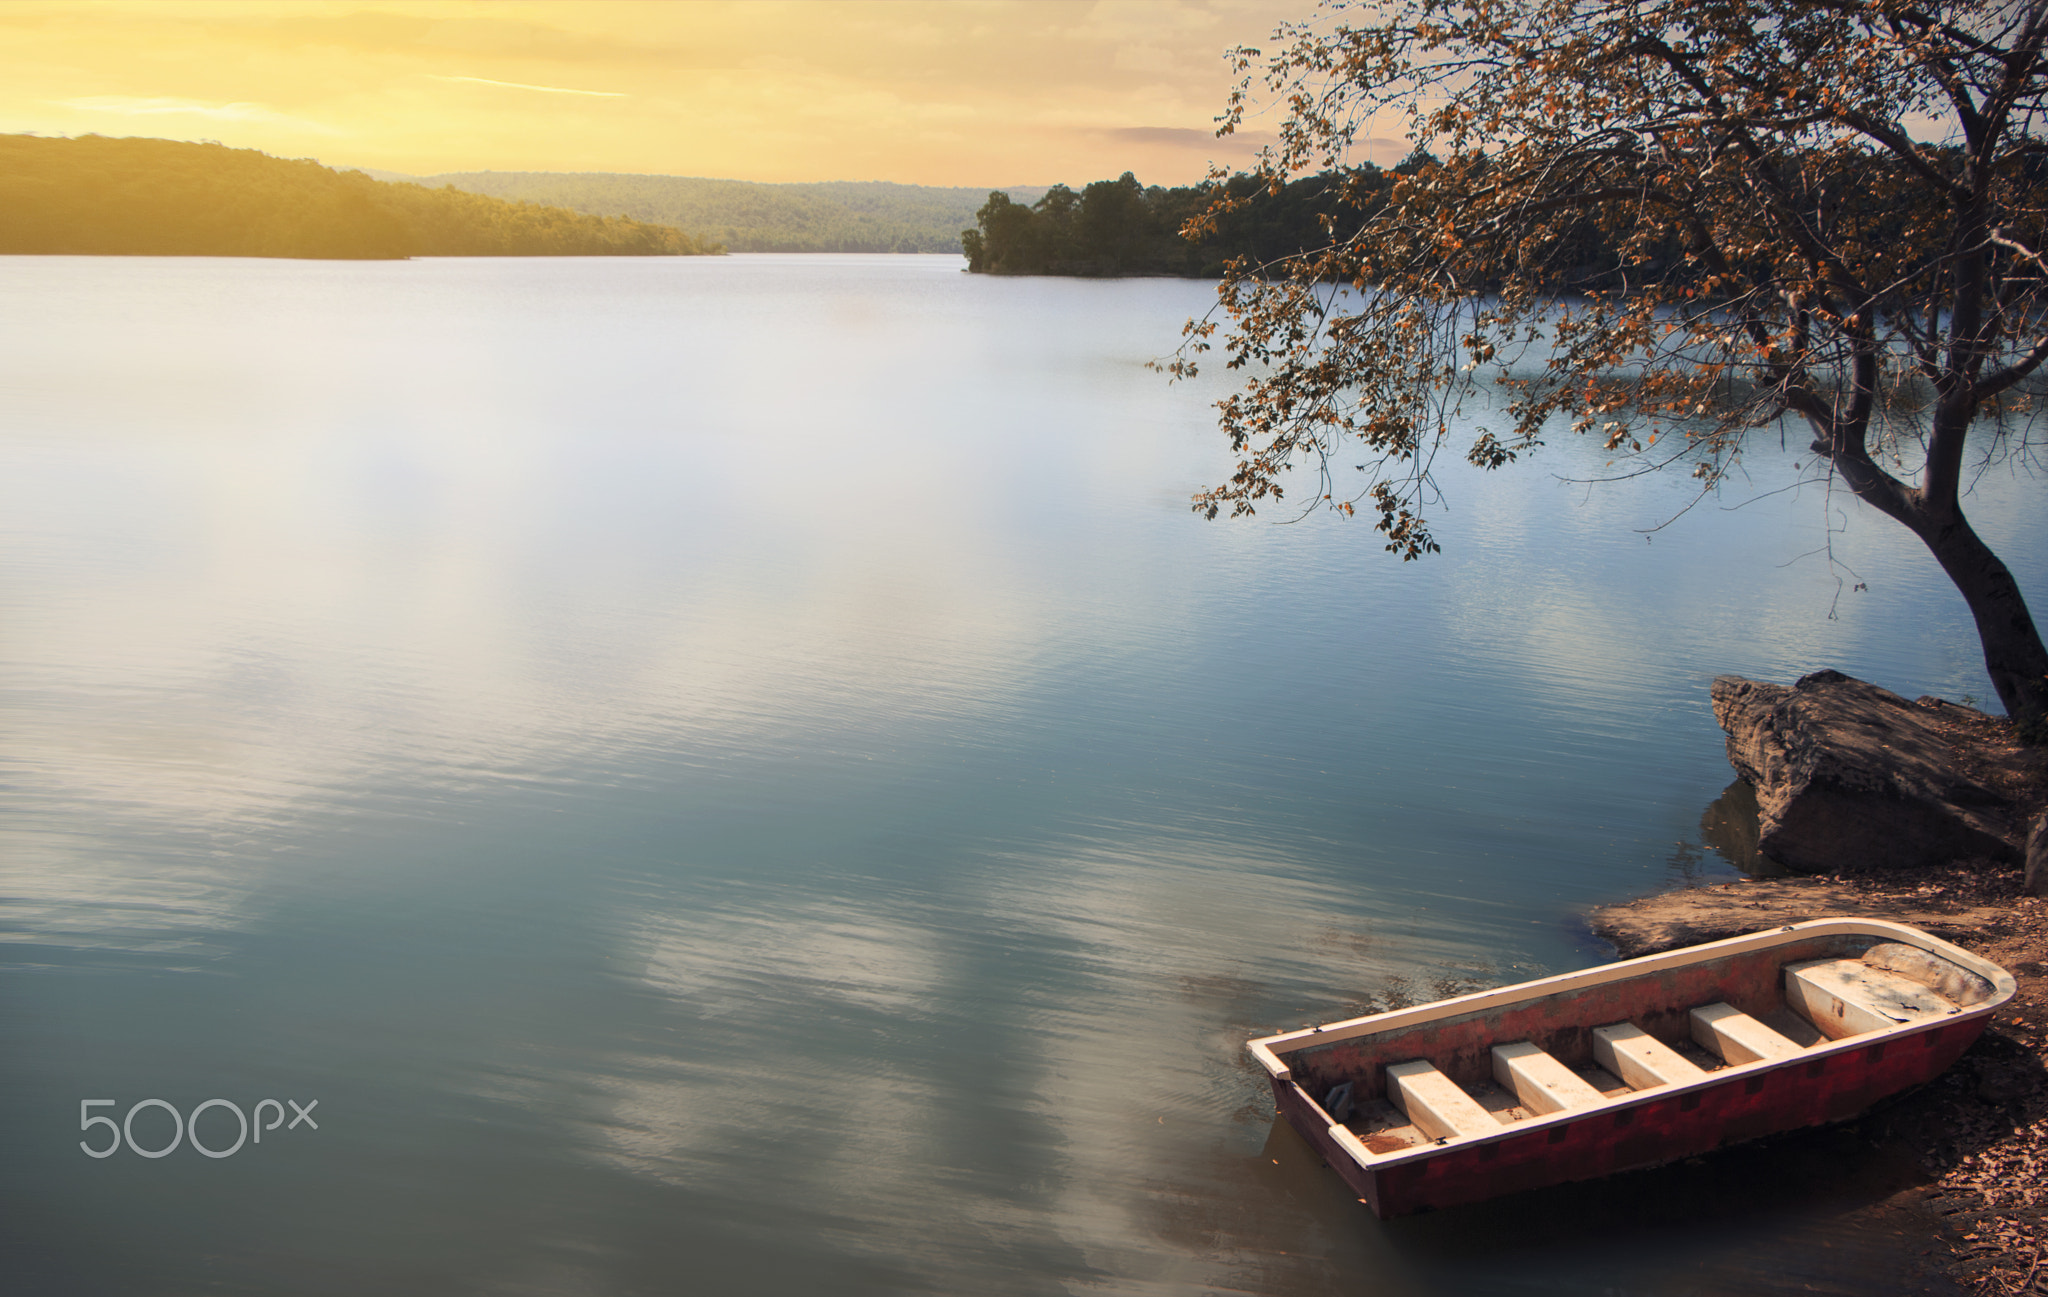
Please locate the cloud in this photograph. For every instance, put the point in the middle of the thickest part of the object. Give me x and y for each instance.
(583, 35)
(135, 106)
(1187, 139)
(1182, 136)
(521, 85)
(150, 107)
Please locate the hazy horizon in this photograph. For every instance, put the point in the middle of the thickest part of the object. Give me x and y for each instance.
(379, 173)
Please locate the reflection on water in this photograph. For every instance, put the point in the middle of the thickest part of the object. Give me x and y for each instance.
(1731, 827)
(1768, 1217)
(744, 773)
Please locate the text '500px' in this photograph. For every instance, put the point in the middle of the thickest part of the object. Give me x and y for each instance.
(247, 1130)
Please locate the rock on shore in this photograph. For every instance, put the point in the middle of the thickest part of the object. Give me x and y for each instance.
(1849, 776)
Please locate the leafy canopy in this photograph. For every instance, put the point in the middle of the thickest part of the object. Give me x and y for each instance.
(1661, 222)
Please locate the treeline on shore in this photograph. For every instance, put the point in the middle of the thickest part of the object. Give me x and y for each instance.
(1121, 227)
(748, 216)
(95, 195)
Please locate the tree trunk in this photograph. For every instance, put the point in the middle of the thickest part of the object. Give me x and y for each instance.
(2014, 657)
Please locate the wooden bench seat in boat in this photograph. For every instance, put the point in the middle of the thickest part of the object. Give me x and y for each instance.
(1825, 999)
(1539, 1082)
(1641, 1060)
(1737, 1037)
(1435, 1104)
(1847, 997)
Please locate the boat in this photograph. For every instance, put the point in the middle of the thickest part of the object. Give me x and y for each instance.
(1630, 1064)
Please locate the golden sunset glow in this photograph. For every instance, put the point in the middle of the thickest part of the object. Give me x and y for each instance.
(969, 93)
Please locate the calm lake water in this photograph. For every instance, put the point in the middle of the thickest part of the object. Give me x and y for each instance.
(744, 776)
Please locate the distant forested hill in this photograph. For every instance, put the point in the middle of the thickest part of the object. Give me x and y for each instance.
(98, 196)
(837, 216)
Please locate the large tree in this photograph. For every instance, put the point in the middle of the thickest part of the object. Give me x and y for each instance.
(1665, 224)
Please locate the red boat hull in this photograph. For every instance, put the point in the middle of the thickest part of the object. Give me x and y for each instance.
(1648, 1131)
(1830, 1081)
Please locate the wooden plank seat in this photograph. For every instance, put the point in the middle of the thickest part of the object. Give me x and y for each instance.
(1435, 1104)
(1737, 1037)
(1847, 997)
(1641, 1060)
(1541, 1083)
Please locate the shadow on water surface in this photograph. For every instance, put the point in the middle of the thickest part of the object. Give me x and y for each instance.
(1731, 827)
(1731, 830)
(1824, 1211)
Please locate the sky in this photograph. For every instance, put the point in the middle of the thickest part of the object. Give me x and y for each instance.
(933, 92)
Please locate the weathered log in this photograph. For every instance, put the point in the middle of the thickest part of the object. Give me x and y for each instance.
(1849, 776)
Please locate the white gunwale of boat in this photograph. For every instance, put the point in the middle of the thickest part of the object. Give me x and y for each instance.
(1267, 1049)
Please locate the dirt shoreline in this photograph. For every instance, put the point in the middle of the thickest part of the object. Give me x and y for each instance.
(1979, 1131)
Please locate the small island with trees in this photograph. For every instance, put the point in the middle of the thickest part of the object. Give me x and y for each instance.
(98, 196)
(1120, 227)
